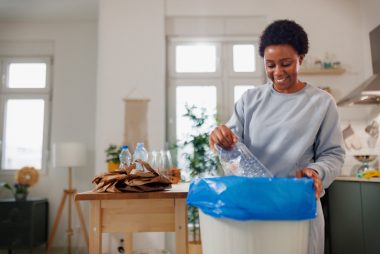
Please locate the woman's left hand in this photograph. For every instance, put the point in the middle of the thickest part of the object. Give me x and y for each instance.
(311, 173)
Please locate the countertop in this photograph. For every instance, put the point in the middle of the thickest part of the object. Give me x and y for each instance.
(356, 179)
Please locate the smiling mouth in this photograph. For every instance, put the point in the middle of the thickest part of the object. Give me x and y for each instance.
(280, 80)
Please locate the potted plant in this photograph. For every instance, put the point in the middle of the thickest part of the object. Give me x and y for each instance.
(201, 162)
(25, 178)
(112, 157)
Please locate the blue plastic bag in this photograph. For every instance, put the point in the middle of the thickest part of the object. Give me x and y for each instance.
(243, 198)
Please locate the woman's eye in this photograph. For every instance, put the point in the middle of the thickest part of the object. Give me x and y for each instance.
(270, 66)
(286, 64)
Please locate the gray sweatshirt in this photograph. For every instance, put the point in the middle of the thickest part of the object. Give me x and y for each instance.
(288, 132)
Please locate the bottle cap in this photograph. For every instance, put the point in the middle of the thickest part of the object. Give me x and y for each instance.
(139, 145)
(124, 147)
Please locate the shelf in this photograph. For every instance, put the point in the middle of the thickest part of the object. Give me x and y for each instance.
(332, 71)
(358, 112)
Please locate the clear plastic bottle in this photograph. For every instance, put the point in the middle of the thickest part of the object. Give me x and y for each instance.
(140, 153)
(241, 162)
(125, 158)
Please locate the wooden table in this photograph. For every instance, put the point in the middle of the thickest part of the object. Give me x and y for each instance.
(161, 211)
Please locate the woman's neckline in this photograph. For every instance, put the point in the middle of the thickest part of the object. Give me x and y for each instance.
(274, 91)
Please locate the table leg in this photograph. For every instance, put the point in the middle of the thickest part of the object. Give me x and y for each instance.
(81, 220)
(181, 226)
(95, 228)
(128, 242)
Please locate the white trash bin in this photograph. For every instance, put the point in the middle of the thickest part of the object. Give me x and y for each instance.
(241, 215)
(226, 236)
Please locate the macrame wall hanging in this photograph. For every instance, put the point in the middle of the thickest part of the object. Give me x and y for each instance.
(136, 122)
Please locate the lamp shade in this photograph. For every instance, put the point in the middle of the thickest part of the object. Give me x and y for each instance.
(69, 154)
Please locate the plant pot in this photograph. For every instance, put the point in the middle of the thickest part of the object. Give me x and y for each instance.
(112, 166)
(195, 247)
(21, 196)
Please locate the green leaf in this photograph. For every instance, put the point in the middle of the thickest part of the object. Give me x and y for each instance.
(112, 153)
(7, 186)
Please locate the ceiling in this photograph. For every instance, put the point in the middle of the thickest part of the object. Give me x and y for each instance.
(48, 10)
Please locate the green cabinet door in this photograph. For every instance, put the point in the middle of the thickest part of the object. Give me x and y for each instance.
(346, 227)
(371, 217)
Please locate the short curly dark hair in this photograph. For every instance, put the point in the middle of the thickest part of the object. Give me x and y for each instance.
(284, 32)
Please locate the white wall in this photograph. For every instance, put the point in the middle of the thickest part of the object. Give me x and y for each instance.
(73, 113)
(131, 55)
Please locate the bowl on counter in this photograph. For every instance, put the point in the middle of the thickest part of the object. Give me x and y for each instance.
(365, 159)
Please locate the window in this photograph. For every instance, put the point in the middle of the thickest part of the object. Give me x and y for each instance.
(25, 110)
(203, 96)
(244, 58)
(26, 75)
(208, 73)
(195, 58)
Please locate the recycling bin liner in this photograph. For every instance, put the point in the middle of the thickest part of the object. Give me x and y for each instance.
(254, 215)
(243, 198)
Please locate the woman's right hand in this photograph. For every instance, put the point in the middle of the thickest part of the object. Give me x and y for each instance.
(223, 136)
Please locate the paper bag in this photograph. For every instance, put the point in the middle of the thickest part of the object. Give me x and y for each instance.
(131, 180)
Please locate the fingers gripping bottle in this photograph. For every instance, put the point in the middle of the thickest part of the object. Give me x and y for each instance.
(125, 158)
(140, 153)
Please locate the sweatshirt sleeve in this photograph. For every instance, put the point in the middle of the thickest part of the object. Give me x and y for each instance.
(329, 151)
(236, 122)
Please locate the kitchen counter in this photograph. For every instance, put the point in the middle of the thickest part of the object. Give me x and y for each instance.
(356, 179)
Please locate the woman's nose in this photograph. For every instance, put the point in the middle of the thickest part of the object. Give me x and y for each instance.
(278, 71)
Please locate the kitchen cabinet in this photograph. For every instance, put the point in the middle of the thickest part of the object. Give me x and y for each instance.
(371, 212)
(23, 224)
(354, 209)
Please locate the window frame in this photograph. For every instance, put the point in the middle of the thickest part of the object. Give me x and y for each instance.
(224, 78)
(45, 94)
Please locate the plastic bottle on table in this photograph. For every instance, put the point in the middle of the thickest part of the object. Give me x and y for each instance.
(140, 153)
(125, 158)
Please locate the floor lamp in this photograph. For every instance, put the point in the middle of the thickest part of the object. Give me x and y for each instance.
(69, 155)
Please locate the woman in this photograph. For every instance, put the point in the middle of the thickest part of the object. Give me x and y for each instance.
(290, 126)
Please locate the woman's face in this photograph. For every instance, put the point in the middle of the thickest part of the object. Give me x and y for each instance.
(282, 64)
